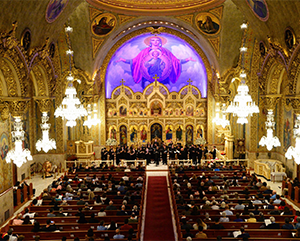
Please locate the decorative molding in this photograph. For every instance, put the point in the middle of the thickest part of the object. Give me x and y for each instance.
(215, 42)
(187, 18)
(96, 45)
(125, 18)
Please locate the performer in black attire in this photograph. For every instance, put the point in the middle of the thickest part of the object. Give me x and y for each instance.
(111, 154)
(193, 154)
(104, 153)
(156, 156)
(164, 155)
(199, 154)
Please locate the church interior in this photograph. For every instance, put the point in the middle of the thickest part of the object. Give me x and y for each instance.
(77, 76)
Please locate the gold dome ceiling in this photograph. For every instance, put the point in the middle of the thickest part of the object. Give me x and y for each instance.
(155, 7)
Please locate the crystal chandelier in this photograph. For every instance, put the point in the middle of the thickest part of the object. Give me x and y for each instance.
(18, 154)
(91, 121)
(295, 151)
(270, 141)
(45, 143)
(70, 108)
(242, 105)
(220, 118)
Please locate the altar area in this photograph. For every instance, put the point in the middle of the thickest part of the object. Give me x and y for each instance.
(270, 169)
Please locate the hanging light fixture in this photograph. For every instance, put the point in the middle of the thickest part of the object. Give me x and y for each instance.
(242, 105)
(70, 108)
(295, 151)
(45, 143)
(270, 141)
(91, 120)
(220, 118)
(18, 154)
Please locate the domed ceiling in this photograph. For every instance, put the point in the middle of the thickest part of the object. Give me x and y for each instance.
(155, 7)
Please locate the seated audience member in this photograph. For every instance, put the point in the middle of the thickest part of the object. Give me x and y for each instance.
(50, 226)
(297, 225)
(126, 226)
(215, 206)
(200, 234)
(297, 214)
(101, 226)
(112, 226)
(36, 226)
(60, 213)
(132, 219)
(287, 224)
(207, 218)
(286, 211)
(239, 206)
(10, 235)
(238, 218)
(102, 213)
(227, 211)
(282, 205)
(26, 220)
(198, 223)
(18, 220)
(185, 225)
(252, 218)
(273, 224)
(118, 235)
(82, 218)
(277, 199)
(275, 211)
(111, 206)
(93, 219)
(217, 224)
(90, 235)
(261, 217)
(224, 219)
(188, 233)
(27, 213)
(243, 234)
(51, 213)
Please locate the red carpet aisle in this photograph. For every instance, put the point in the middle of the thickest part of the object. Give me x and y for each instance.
(158, 220)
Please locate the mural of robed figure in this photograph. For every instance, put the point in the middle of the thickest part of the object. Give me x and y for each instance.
(155, 60)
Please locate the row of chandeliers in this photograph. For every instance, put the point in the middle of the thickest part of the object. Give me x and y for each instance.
(242, 106)
(70, 109)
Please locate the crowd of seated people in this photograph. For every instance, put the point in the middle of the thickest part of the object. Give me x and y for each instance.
(227, 198)
(91, 205)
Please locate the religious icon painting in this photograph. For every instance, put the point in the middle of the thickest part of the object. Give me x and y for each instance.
(133, 133)
(156, 131)
(169, 132)
(123, 111)
(156, 108)
(54, 9)
(259, 8)
(103, 24)
(179, 130)
(52, 50)
(165, 58)
(189, 134)
(208, 23)
(4, 145)
(123, 135)
(26, 39)
(262, 49)
(289, 38)
(190, 111)
(113, 132)
(143, 132)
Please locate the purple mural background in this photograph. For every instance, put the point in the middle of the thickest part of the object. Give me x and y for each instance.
(138, 60)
